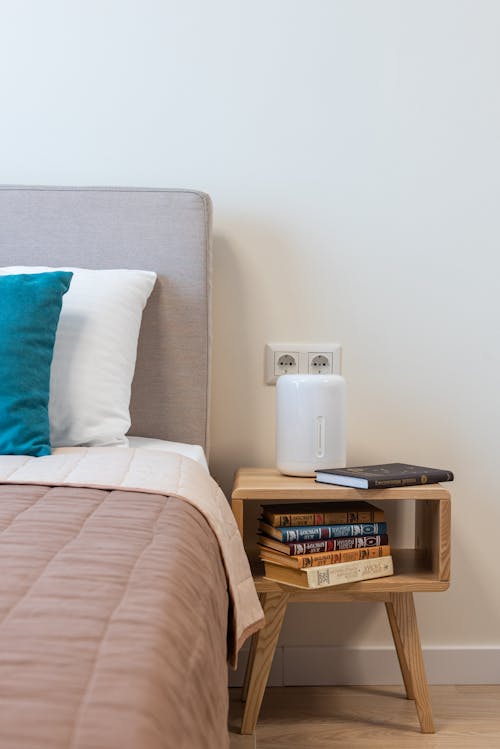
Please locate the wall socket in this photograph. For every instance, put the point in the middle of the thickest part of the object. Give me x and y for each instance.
(301, 358)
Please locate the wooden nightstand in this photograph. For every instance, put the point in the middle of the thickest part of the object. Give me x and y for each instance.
(425, 567)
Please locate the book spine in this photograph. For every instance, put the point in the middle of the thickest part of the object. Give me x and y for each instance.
(348, 572)
(337, 557)
(335, 544)
(324, 532)
(424, 478)
(324, 518)
(278, 520)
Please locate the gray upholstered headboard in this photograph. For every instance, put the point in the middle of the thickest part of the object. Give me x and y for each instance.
(167, 231)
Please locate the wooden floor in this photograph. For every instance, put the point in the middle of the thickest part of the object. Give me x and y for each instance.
(465, 717)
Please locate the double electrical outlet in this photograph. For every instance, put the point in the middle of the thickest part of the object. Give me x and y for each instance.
(301, 358)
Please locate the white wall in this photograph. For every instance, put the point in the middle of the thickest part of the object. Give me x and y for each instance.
(352, 152)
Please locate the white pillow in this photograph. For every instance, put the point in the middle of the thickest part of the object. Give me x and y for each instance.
(95, 354)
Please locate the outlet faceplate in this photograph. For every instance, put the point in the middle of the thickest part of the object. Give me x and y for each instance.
(301, 358)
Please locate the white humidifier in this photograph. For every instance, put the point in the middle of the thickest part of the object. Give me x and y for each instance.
(310, 423)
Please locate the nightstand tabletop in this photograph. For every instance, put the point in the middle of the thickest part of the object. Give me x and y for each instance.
(268, 483)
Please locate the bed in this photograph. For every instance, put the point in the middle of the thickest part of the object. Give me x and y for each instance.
(124, 585)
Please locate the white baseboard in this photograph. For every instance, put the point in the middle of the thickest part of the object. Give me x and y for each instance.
(322, 666)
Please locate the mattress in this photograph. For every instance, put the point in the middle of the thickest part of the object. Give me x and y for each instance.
(116, 604)
(195, 452)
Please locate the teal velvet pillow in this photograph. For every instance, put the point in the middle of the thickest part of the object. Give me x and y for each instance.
(30, 305)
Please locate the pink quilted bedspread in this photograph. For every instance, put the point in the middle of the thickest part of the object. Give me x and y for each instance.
(114, 602)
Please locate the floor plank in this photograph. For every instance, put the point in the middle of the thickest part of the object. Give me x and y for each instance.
(465, 717)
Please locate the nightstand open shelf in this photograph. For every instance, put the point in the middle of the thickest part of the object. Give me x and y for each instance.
(423, 568)
(411, 571)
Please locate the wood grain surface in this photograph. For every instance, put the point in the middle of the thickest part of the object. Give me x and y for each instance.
(263, 647)
(466, 717)
(268, 483)
(423, 568)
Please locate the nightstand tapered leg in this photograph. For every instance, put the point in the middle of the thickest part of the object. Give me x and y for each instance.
(249, 666)
(407, 640)
(251, 658)
(266, 639)
(405, 671)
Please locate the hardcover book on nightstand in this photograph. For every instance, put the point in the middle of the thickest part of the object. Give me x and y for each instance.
(383, 476)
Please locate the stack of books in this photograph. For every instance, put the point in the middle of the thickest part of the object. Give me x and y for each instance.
(315, 545)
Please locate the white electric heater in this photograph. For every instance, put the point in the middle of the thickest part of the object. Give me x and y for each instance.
(310, 423)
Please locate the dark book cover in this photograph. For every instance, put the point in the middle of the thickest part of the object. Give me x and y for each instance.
(322, 532)
(383, 476)
(332, 544)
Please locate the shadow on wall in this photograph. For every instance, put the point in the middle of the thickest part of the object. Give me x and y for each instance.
(232, 416)
(248, 261)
